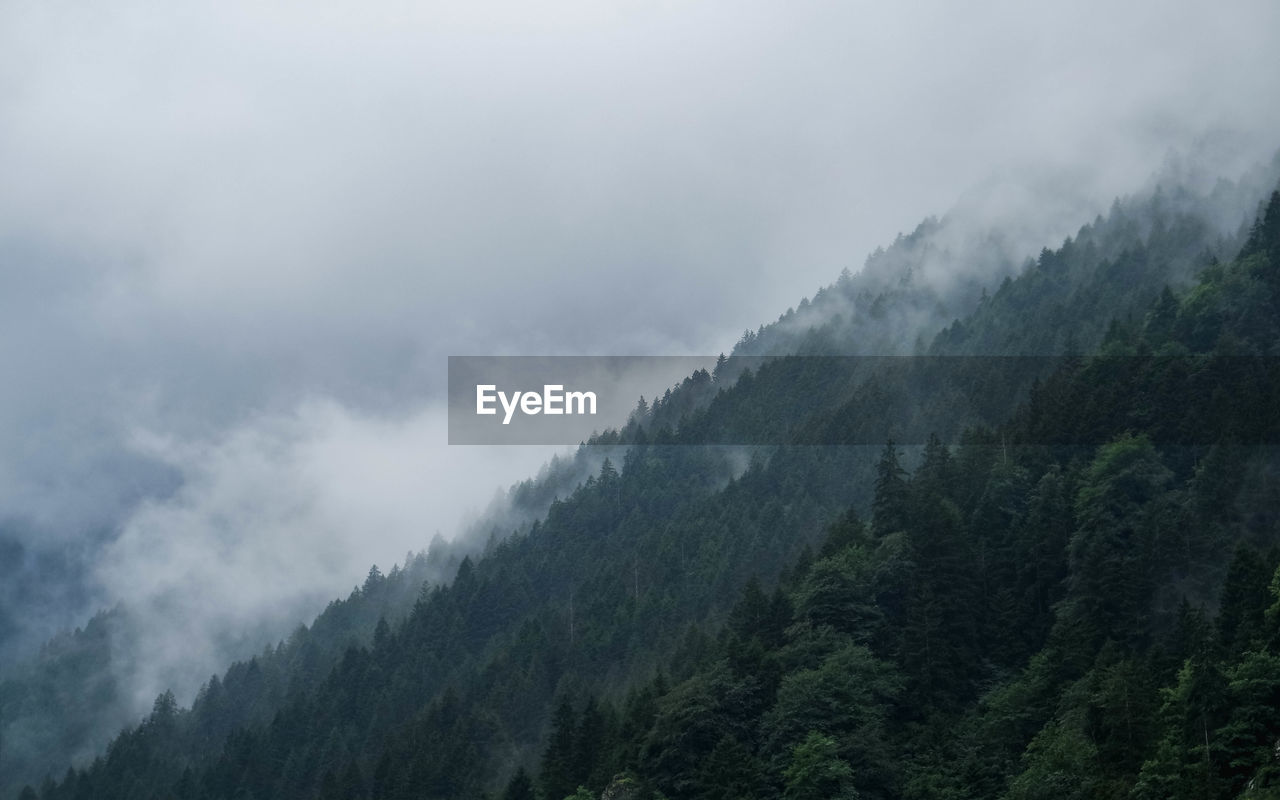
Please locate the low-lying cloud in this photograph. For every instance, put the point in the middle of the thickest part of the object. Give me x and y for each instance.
(237, 241)
(275, 518)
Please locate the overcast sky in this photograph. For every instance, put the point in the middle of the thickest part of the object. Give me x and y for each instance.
(238, 240)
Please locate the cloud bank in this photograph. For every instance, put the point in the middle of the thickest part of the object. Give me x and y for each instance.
(238, 241)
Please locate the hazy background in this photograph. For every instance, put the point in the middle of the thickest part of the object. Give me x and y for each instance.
(238, 240)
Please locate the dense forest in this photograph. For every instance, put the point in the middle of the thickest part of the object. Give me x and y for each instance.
(1071, 591)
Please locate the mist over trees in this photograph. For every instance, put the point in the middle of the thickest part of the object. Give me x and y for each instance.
(862, 553)
(991, 617)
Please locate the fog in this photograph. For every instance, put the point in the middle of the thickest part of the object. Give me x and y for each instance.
(238, 242)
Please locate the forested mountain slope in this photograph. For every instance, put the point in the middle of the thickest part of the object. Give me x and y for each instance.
(630, 577)
(68, 703)
(1021, 620)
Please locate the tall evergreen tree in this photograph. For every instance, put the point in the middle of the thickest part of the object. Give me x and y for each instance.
(558, 776)
(890, 507)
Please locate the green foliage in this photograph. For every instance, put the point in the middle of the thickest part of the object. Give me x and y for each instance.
(1063, 605)
(1060, 764)
(520, 787)
(560, 771)
(1110, 553)
(816, 771)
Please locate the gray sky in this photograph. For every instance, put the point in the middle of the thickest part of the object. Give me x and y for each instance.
(238, 240)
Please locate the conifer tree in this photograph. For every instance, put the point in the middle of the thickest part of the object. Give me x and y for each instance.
(890, 503)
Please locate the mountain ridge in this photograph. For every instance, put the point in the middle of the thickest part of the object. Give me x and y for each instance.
(678, 497)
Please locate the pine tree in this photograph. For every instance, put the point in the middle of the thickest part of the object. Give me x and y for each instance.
(1264, 236)
(558, 775)
(730, 772)
(520, 787)
(1244, 600)
(1188, 758)
(816, 772)
(890, 504)
(591, 743)
(1109, 585)
(608, 473)
(717, 373)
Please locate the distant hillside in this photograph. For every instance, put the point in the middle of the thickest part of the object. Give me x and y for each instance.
(612, 633)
